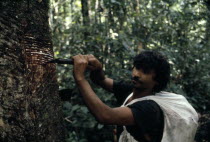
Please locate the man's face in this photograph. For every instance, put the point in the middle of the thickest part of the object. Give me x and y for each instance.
(143, 81)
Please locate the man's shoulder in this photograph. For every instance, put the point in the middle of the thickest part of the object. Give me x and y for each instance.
(165, 93)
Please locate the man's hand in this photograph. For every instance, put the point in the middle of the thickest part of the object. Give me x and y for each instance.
(83, 62)
(93, 63)
(80, 65)
(97, 74)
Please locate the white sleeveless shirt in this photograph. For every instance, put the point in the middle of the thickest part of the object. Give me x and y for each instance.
(180, 118)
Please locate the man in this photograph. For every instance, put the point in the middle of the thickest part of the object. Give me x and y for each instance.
(147, 114)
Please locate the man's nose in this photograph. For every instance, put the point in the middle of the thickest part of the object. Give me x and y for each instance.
(134, 73)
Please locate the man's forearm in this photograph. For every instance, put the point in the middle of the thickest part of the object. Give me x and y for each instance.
(96, 106)
(97, 76)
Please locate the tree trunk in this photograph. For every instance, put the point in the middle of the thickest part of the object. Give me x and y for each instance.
(208, 23)
(86, 20)
(85, 12)
(30, 109)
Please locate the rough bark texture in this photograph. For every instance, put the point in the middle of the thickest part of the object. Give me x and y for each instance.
(30, 108)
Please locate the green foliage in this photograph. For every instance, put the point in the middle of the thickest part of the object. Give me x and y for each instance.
(120, 29)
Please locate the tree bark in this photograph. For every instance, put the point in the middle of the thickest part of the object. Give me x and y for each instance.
(30, 108)
(207, 2)
(86, 19)
(85, 12)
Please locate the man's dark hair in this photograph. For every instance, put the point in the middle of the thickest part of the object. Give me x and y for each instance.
(153, 61)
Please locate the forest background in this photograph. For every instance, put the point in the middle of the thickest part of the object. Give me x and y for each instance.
(115, 31)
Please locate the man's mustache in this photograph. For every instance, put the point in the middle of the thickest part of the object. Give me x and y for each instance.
(136, 79)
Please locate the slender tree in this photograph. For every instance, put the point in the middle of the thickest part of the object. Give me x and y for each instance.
(85, 15)
(30, 109)
(207, 2)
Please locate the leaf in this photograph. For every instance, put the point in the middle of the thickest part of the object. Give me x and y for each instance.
(99, 126)
(115, 2)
